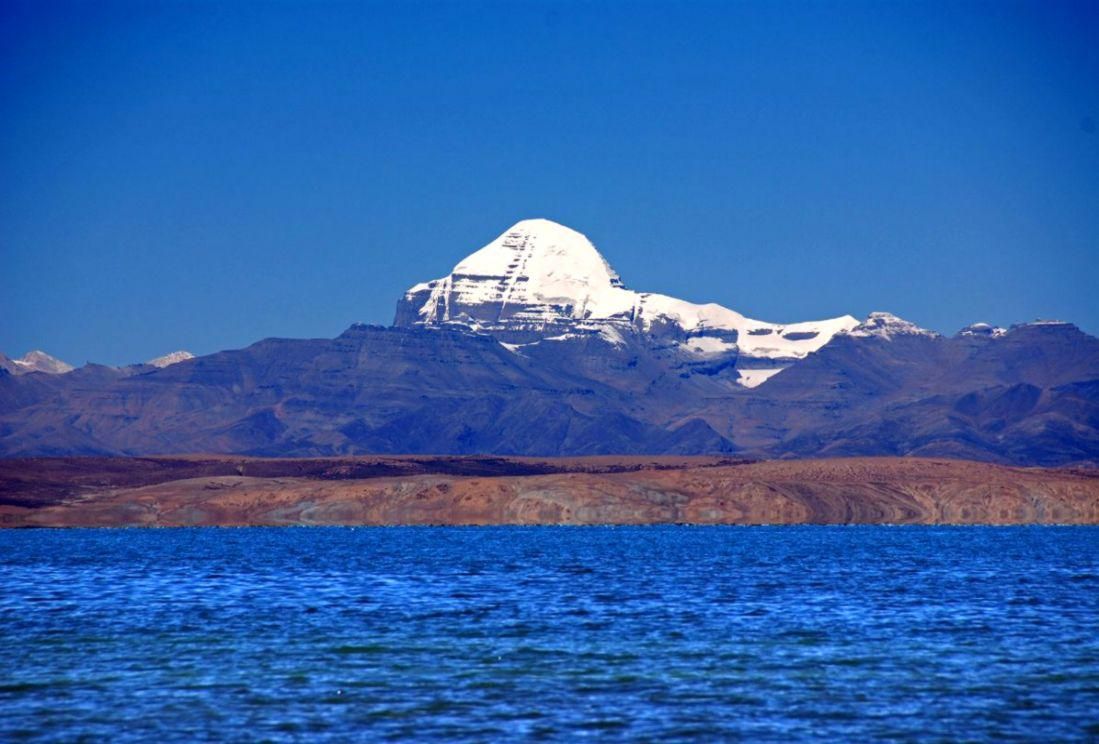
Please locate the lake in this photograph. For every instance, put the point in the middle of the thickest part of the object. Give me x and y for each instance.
(451, 634)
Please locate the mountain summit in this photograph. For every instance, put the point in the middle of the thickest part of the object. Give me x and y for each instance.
(541, 281)
(168, 360)
(35, 361)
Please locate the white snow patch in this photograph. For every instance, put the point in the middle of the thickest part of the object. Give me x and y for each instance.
(1042, 322)
(169, 359)
(709, 345)
(755, 377)
(982, 329)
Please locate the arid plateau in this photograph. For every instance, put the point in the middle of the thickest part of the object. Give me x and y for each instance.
(425, 490)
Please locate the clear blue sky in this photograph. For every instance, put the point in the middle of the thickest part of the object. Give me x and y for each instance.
(202, 175)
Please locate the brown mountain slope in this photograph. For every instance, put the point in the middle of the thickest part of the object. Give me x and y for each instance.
(464, 491)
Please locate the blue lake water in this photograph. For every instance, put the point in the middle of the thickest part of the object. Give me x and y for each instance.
(660, 633)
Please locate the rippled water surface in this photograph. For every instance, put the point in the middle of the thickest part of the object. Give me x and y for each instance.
(787, 633)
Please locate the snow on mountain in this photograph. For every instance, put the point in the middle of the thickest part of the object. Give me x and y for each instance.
(755, 377)
(169, 359)
(40, 361)
(982, 329)
(887, 326)
(1044, 322)
(540, 280)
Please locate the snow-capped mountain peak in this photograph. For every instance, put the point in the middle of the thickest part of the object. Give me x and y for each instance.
(984, 330)
(169, 359)
(541, 281)
(40, 361)
(534, 273)
(543, 259)
(888, 326)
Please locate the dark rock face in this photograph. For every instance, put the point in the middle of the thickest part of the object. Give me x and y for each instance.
(372, 389)
(1028, 396)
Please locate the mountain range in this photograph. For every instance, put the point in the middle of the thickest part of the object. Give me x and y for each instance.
(533, 345)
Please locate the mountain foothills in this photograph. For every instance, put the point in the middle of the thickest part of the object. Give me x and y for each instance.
(534, 346)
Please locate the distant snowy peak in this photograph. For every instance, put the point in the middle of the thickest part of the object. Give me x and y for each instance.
(888, 326)
(40, 361)
(541, 281)
(982, 330)
(169, 359)
(988, 331)
(1045, 324)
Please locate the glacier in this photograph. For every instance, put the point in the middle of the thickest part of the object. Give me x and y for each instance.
(540, 281)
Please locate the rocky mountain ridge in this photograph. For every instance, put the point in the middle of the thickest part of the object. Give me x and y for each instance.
(40, 361)
(35, 361)
(549, 354)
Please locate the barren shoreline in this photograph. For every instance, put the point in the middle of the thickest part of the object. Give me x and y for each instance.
(463, 490)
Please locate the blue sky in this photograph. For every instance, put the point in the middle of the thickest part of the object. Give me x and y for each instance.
(202, 175)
